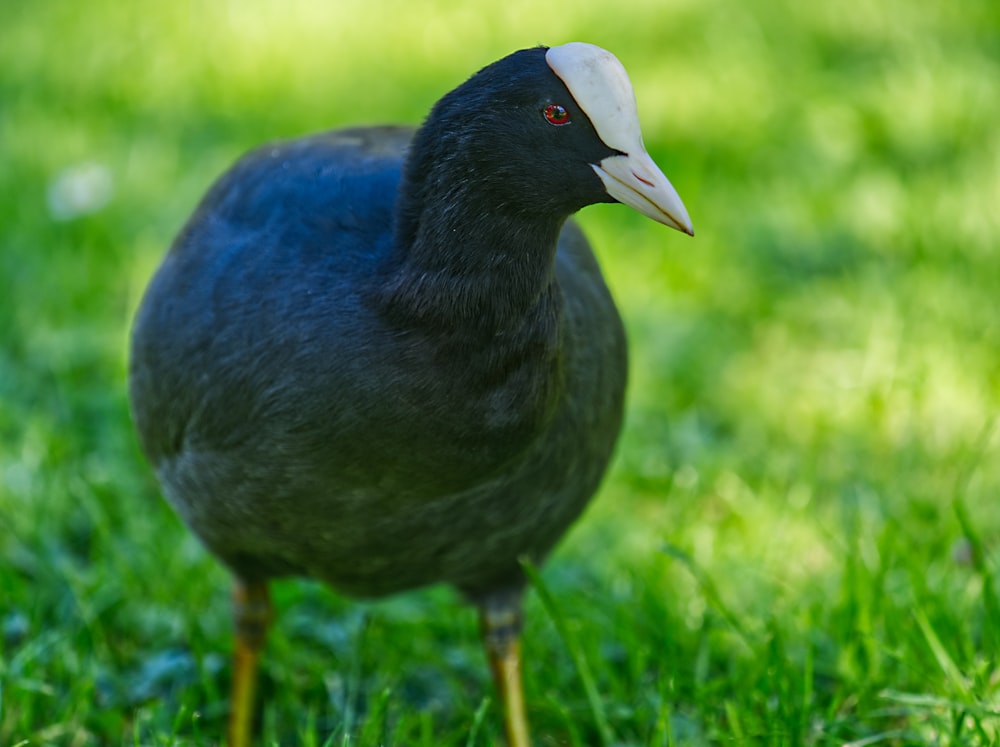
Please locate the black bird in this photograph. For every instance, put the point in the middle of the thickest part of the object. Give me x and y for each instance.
(387, 359)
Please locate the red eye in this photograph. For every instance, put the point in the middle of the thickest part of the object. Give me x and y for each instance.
(557, 114)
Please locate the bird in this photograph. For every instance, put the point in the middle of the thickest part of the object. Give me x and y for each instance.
(386, 358)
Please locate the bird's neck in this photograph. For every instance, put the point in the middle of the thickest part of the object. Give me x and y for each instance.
(461, 262)
(472, 287)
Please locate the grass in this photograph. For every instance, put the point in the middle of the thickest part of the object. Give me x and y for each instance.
(799, 541)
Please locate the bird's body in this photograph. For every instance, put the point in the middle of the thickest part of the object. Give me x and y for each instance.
(305, 419)
(386, 359)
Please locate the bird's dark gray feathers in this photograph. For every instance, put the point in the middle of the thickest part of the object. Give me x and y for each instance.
(344, 371)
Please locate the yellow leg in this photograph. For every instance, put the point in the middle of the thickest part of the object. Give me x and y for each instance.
(252, 615)
(500, 619)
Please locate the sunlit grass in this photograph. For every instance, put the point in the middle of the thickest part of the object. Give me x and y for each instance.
(798, 543)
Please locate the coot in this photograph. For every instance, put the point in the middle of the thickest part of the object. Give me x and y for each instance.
(385, 359)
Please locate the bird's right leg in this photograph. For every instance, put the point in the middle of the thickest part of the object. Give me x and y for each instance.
(252, 615)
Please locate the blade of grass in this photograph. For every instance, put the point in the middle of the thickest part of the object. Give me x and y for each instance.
(733, 719)
(944, 660)
(575, 652)
(929, 702)
(885, 736)
(991, 606)
(477, 721)
(664, 723)
(710, 590)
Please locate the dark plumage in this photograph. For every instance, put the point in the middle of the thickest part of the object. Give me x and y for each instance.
(387, 362)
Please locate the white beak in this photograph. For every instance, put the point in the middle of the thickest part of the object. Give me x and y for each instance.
(636, 181)
(600, 85)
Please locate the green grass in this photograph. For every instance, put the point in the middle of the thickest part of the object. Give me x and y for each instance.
(799, 541)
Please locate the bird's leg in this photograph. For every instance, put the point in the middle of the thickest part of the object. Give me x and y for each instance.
(251, 615)
(501, 621)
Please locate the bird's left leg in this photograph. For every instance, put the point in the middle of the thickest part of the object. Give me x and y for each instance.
(501, 621)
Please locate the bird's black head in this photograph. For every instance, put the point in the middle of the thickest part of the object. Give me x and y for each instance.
(516, 131)
(542, 132)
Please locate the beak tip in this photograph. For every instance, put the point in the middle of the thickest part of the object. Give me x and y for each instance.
(684, 226)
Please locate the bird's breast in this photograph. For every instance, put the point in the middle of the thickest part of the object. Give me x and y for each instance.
(482, 404)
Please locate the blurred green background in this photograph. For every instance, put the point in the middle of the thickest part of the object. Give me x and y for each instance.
(799, 541)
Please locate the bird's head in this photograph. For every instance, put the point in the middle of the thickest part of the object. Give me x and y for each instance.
(549, 129)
